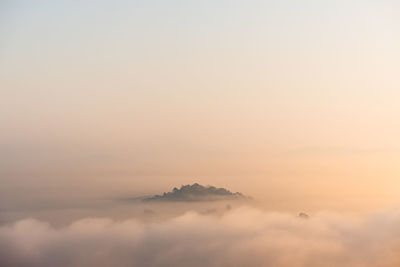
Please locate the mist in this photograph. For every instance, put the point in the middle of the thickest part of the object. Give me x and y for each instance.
(241, 237)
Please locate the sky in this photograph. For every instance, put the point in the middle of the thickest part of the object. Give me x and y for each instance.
(285, 101)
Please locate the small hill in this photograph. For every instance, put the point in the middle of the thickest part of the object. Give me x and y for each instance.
(196, 192)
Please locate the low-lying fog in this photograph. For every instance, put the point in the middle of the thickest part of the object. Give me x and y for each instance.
(63, 205)
(73, 228)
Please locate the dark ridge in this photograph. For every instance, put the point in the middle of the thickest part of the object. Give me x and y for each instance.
(196, 192)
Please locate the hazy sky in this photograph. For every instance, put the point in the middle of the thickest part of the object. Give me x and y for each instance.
(266, 97)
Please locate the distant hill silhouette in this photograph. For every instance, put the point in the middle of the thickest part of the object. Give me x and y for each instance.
(196, 192)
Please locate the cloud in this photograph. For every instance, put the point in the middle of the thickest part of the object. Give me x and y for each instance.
(241, 237)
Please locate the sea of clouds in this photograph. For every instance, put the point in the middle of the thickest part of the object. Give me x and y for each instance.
(242, 237)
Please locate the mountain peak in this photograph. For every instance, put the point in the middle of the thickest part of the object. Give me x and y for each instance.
(196, 192)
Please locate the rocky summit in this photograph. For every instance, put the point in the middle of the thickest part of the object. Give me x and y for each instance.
(196, 192)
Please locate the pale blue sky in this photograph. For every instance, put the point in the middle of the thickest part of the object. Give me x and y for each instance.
(199, 88)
